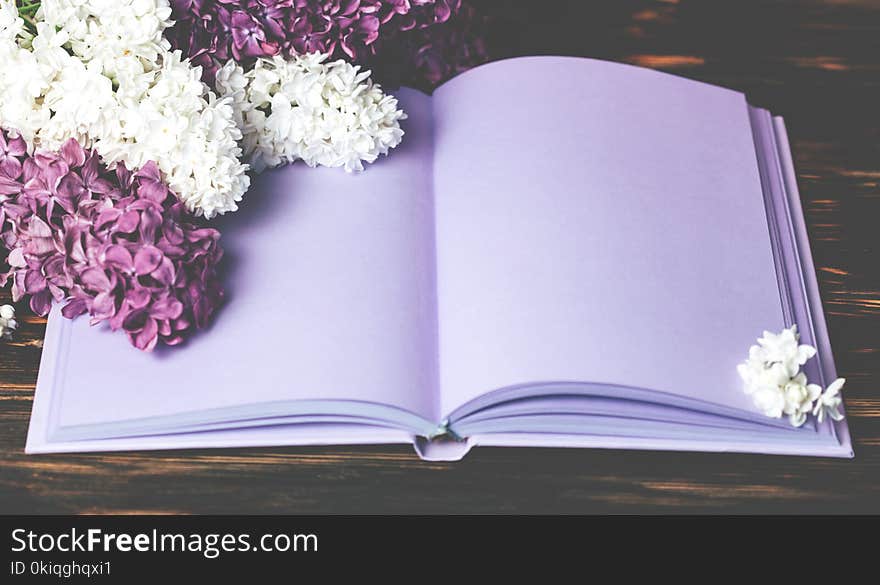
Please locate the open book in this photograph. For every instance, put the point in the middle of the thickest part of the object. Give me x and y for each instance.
(562, 252)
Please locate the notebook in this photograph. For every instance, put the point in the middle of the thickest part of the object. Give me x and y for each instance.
(563, 252)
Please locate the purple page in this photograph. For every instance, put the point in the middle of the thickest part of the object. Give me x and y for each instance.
(605, 224)
(330, 296)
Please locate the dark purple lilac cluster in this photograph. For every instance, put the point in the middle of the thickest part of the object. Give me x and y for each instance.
(212, 31)
(426, 57)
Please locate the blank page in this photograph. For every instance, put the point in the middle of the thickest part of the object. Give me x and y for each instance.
(597, 222)
(331, 296)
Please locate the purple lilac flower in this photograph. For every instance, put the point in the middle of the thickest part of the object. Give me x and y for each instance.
(117, 245)
(426, 57)
(212, 31)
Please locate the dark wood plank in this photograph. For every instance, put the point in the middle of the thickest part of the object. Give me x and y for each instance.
(815, 62)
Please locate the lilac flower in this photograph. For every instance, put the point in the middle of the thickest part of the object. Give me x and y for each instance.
(117, 245)
(10, 151)
(426, 57)
(211, 32)
(249, 39)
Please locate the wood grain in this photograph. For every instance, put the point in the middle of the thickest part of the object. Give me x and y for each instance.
(815, 62)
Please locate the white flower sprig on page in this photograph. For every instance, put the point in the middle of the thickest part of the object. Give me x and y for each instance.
(773, 378)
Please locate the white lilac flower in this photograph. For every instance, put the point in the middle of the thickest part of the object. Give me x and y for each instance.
(772, 376)
(23, 81)
(758, 374)
(784, 348)
(304, 108)
(115, 35)
(101, 72)
(770, 400)
(8, 324)
(764, 383)
(829, 402)
(11, 24)
(799, 397)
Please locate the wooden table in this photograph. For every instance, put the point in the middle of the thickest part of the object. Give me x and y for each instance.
(815, 62)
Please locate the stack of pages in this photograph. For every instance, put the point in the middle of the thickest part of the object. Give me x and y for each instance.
(563, 252)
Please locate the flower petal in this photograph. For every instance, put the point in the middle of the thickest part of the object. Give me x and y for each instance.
(128, 222)
(95, 279)
(74, 308)
(118, 257)
(41, 303)
(835, 386)
(147, 259)
(148, 336)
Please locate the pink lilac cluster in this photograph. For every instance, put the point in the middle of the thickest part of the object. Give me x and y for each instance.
(117, 244)
(211, 32)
